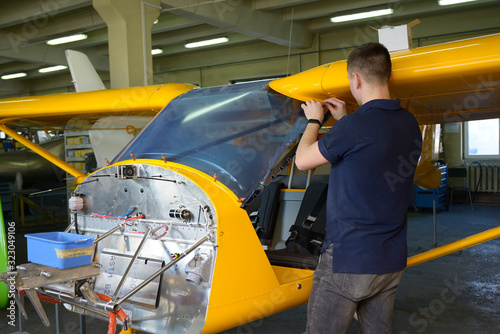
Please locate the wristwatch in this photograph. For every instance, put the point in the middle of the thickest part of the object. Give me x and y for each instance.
(315, 121)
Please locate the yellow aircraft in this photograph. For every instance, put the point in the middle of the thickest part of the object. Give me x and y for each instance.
(166, 243)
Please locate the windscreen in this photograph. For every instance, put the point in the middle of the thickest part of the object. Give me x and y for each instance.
(237, 132)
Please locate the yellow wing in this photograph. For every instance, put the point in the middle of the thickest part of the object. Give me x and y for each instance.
(55, 110)
(446, 83)
(38, 112)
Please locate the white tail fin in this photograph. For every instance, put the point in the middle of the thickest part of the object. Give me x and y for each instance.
(84, 75)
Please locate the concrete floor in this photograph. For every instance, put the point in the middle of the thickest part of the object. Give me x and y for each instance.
(459, 293)
(424, 303)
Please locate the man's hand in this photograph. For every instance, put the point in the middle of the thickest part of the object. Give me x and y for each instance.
(308, 155)
(337, 107)
(313, 110)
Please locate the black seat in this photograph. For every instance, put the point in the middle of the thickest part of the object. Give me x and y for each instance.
(458, 174)
(307, 233)
(264, 219)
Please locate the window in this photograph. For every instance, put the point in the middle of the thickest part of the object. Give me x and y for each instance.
(482, 140)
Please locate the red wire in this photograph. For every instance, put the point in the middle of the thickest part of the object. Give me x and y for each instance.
(112, 315)
(166, 230)
(112, 323)
(41, 297)
(110, 217)
(114, 217)
(131, 218)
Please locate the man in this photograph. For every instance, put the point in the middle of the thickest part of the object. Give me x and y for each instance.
(373, 152)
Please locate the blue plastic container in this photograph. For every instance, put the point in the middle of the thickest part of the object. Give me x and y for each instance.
(59, 249)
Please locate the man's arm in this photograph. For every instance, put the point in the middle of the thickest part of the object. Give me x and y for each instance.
(308, 155)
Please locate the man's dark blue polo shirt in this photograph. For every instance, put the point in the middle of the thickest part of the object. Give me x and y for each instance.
(373, 152)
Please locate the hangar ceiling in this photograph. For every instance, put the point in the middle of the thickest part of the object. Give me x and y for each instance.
(26, 25)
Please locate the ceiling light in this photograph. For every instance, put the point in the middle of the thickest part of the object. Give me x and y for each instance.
(13, 76)
(156, 51)
(67, 39)
(52, 68)
(156, 21)
(363, 15)
(452, 2)
(207, 42)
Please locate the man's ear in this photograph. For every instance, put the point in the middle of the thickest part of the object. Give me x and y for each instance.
(390, 77)
(357, 80)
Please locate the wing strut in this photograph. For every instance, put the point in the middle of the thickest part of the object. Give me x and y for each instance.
(454, 246)
(79, 176)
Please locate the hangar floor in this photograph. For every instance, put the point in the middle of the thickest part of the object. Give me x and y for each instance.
(459, 293)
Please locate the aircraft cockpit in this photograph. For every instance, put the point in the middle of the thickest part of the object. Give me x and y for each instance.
(236, 132)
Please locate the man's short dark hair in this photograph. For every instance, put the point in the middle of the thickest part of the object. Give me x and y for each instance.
(372, 61)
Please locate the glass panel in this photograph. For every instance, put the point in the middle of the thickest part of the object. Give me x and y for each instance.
(484, 137)
(237, 132)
